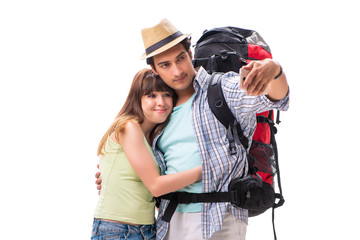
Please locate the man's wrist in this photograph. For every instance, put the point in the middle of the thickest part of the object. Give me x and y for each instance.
(279, 74)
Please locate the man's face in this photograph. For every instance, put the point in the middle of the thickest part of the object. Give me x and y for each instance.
(175, 67)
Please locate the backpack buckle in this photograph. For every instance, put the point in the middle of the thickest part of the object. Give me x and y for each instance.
(231, 139)
(235, 198)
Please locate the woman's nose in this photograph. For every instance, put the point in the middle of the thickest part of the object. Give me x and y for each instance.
(160, 100)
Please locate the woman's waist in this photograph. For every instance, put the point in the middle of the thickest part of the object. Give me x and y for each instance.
(120, 222)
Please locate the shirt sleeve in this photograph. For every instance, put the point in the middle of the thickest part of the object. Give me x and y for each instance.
(240, 103)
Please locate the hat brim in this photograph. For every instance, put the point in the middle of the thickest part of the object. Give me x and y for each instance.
(165, 47)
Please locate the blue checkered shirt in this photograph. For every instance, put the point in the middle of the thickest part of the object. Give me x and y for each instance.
(218, 166)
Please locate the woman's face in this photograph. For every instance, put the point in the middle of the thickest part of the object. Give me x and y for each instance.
(156, 106)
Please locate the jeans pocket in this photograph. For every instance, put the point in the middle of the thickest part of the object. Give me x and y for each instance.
(108, 236)
(109, 230)
(114, 237)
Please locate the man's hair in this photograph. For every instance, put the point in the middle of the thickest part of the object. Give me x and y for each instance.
(186, 43)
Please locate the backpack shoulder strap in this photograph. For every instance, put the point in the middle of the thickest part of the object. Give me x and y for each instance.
(220, 109)
(217, 101)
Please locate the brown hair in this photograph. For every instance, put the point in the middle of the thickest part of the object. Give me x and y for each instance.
(144, 83)
(186, 43)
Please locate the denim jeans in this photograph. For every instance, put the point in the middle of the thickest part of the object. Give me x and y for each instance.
(110, 230)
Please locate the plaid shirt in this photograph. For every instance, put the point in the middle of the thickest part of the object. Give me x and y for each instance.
(218, 166)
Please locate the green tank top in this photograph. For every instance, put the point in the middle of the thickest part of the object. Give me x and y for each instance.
(123, 196)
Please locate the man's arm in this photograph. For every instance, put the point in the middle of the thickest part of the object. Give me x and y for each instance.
(263, 74)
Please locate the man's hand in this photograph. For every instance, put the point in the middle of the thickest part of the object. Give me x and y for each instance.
(98, 180)
(262, 75)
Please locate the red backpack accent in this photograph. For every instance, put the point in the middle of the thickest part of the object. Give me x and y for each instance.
(262, 131)
(257, 52)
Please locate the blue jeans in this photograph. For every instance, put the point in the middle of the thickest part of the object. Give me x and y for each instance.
(110, 230)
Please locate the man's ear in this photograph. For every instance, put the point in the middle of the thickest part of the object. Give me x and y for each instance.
(153, 69)
(190, 54)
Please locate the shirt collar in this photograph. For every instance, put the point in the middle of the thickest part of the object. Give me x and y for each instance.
(201, 79)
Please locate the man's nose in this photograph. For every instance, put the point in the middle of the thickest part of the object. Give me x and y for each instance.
(177, 71)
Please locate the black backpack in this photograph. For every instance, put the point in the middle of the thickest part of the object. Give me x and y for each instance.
(229, 48)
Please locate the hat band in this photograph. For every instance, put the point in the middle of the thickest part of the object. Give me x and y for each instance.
(163, 42)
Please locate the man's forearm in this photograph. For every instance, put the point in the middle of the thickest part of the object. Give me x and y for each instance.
(278, 88)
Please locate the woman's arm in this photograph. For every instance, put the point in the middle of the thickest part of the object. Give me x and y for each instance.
(132, 141)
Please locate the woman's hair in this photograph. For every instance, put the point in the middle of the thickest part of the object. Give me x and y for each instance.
(144, 83)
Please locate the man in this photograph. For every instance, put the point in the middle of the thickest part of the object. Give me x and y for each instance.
(194, 137)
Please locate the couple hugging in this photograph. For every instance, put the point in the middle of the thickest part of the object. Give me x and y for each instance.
(166, 139)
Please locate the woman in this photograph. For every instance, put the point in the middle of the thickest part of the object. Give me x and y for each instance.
(130, 175)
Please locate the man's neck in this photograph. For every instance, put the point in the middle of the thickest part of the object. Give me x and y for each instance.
(185, 95)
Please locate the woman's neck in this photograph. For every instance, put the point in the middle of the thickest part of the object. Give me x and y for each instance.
(146, 128)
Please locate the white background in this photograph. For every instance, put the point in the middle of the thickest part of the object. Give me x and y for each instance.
(65, 70)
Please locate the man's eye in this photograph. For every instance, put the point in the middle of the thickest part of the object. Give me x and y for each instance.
(182, 57)
(164, 65)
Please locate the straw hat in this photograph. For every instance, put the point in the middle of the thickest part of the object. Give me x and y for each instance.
(160, 38)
